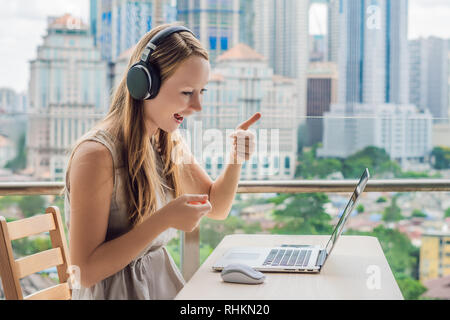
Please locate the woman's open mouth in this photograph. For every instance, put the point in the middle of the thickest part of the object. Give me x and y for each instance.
(178, 118)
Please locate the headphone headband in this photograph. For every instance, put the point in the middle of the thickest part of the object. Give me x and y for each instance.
(158, 38)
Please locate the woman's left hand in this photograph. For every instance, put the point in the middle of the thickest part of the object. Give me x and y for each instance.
(243, 140)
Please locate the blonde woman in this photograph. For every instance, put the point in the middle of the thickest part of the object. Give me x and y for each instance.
(126, 190)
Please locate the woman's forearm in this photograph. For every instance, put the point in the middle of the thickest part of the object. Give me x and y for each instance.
(114, 255)
(223, 191)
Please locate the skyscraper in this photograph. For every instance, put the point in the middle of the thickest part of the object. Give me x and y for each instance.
(368, 40)
(215, 23)
(282, 35)
(322, 92)
(118, 25)
(429, 67)
(67, 93)
(371, 49)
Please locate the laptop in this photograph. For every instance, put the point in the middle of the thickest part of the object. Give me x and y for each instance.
(293, 258)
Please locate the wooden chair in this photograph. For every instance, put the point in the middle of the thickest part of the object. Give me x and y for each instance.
(11, 270)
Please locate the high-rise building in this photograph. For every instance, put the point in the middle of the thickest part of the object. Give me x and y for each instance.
(67, 94)
(434, 255)
(368, 39)
(282, 35)
(322, 92)
(247, 22)
(9, 100)
(429, 74)
(318, 48)
(215, 23)
(117, 25)
(241, 84)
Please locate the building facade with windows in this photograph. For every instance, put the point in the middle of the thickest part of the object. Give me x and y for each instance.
(434, 255)
(117, 25)
(403, 131)
(281, 34)
(241, 84)
(216, 23)
(67, 92)
(429, 69)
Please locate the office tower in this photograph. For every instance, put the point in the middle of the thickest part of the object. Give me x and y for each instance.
(334, 8)
(429, 74)
(9, 101)
(117, 25)
(7, 149)
(322, 92)
(397, 52)
(214, 22)
(368, 39)
(318, 48)
(241, 84)
(282, 35)
(67, 94)
(247, 22)
(434, 255)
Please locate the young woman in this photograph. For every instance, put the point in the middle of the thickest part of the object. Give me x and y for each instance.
(126, 190)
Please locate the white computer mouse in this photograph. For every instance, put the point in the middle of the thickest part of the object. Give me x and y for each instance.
(242, 273)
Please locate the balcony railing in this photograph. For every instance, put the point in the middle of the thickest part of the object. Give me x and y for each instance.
(190, 242)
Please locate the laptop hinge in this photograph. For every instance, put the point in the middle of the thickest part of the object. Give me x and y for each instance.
(321, 258)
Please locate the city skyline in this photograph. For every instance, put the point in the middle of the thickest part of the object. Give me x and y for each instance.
(426, 18)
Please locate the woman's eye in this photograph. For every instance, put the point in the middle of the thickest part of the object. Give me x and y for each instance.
(187, 93)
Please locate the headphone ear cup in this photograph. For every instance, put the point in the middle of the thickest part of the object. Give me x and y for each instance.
(139, 81)
(155, 81)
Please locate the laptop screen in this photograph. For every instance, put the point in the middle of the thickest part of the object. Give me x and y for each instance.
(348, 209)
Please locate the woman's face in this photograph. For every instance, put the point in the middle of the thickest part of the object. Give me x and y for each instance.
(179, 96)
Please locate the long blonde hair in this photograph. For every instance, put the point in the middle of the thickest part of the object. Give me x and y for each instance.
(126, 123)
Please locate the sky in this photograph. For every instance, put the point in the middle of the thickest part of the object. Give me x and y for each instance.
(24, 22)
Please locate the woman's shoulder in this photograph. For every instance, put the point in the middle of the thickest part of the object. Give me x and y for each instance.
(93, 151)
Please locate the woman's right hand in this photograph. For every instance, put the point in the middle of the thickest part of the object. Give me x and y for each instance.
(184, 213)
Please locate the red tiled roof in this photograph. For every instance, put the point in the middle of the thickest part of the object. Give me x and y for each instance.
(241, 52)
(216, 77)
(67, 21)
(438, 288)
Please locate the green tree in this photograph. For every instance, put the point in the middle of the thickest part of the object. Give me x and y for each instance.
(447, 213)
(411, 289)
(381, 200)
(360, 208)
(418, 214)
(213, 231)
(20, 161)
(31, 205)
(393, 212)
(374, 158)
(311, 167)
(441, 158)
(301, 214)
(28, 246)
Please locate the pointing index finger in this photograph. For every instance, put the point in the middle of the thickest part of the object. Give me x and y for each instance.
(246, 124)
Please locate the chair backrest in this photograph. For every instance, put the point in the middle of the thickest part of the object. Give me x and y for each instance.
(11, 270)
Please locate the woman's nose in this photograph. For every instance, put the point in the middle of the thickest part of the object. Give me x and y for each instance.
(196, 103)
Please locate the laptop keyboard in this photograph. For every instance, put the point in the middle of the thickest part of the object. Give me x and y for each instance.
(288, 257)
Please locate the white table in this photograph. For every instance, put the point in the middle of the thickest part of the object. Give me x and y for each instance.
(356, 269)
